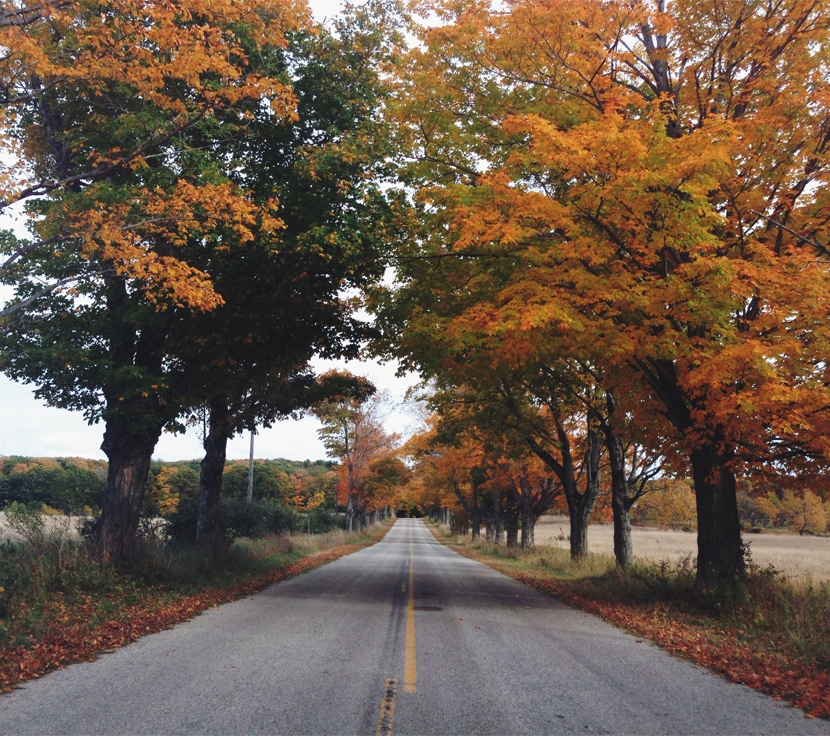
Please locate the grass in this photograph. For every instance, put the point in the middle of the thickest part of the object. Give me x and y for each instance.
(59, 602)
(767, 631)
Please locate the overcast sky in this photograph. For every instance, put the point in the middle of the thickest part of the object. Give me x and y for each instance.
(28, 427)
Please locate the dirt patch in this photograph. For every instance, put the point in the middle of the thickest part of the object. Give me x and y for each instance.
(792, 554)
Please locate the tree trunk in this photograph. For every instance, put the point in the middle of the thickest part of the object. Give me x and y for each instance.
(498, 524)
(620, 502)
(528, 526)
(581, 505)
(498, 536)
(350, 512)
(511, 526)
(210, 478)
(489, 528)
(475, 524)
(129, 454)
(579, 535)
(720, 552)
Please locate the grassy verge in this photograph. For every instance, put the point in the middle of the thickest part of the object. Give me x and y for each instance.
(59, 604)
(770, 633)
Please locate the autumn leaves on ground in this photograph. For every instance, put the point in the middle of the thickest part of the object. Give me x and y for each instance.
(596, 230)
(772, 634)
(65, 606)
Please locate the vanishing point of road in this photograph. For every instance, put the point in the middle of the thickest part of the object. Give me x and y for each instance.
(404, 637)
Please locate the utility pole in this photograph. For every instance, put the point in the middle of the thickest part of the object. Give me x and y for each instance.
(251, 471)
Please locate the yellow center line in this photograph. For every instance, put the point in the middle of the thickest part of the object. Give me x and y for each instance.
(387, 709)
(410, 674)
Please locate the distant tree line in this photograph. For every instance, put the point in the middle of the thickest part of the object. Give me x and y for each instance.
(66, 484)
(77, 485)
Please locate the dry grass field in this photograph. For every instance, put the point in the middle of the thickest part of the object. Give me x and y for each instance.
(796, 556)
(51, 524)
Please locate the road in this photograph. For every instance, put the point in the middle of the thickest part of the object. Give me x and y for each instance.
(405, 637)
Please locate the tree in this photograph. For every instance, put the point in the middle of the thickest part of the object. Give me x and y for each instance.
(92, 90)
(615, 180)
(387, 474)
(804, 513)
(283, 293)
(171, 485)
(669, 502)
(123, 221)
(353, 433)
(143, 359)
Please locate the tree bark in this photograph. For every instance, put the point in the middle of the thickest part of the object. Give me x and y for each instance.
(129, 454)
(473, 509)
(511, 526)
(475, 525)
(580, 505)
(529, 519)
(620, 501)
(498, 532)
(210, 479)
(719, 549)
(489, 528)
(720, 552)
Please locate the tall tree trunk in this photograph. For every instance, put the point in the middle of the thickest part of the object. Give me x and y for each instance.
(473, 509)
(351, 504)
(620, 501)
(511, 527)
(719, 548)
(528, 530)
(498, 531)
(475, 524)
(210, 479)
(528, 515)
(129, 454)
(581, 505)
(720, 552)
(489, 528)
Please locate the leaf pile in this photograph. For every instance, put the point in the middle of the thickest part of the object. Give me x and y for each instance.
(72, 642)
(719, 650)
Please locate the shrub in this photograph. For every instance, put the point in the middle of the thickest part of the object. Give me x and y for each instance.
(237, 518)
(320, 521)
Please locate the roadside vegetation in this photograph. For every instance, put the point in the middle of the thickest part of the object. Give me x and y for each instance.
(61, 602)
(769, 632)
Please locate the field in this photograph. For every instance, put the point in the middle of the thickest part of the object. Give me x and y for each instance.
(792, 554)
(50, 524)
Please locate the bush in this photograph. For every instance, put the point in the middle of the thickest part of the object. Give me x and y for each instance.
(320, 521)
(237, 518)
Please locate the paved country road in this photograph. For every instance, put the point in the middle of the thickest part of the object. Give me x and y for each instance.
(405, 637)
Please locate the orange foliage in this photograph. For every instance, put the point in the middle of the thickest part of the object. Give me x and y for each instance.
(181, 62)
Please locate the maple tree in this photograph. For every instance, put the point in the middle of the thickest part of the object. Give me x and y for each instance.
(283, 292)
(92, 90)
(643, 186)
(142, 358)
(669, 502)
(117, 114)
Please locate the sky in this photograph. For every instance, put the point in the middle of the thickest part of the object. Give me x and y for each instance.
(29, 427)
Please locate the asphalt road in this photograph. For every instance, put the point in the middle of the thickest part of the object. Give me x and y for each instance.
(405, 637)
